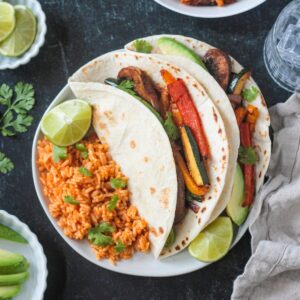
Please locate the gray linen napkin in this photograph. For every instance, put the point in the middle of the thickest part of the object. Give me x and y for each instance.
(273, 271)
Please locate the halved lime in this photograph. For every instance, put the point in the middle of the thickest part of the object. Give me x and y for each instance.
(68, 122)
(23, 35)
(214, 241)
(7, 20)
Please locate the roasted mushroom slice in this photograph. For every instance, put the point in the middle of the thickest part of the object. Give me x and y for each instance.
(143, 85)
(219, 66)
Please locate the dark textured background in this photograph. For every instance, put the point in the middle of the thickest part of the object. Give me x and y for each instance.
(77, 32)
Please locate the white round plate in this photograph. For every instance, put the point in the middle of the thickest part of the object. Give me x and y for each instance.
(35, 285)
(14, 62)
(140, 264)
(210, 11)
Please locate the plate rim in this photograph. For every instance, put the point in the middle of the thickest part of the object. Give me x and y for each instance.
(213, 16)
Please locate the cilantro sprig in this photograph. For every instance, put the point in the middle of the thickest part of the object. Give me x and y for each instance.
(120, 247)
(142, 46)
(250, 94)
(15, 106)
(6, 165)
(59, 153)
(113, 202)
(247, 156)
(117, 183)
(99, 235)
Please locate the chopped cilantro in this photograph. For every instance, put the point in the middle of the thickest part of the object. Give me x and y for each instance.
(142, 46)
(117, 183)
(97, 235)
(83, 150)
(84, 171)
(250, 94)
(170, 127)
(59, 153)
(113, 202)
(70, 200)
(247, 155)
(120, 247)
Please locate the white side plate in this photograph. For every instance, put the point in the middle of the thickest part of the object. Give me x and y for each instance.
(210, 11)
(35, 285)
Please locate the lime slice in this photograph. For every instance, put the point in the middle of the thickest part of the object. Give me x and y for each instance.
(68, 122)
(23, 35)
(214, 241)
(7, 20)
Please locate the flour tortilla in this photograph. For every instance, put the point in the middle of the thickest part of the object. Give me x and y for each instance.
(116, 119)
(261, 139)
(108, 66)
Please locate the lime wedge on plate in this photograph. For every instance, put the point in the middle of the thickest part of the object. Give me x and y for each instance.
(23, 35)
(7, 20)
(214, 241)
(68, 122)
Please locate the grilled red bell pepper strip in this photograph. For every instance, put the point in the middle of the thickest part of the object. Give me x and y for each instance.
(246, 141)
(190, 116)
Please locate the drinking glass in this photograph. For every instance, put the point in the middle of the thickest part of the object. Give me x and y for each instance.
(282, 48)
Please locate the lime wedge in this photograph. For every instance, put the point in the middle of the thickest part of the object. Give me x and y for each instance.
(68, 122)
(7, 20)
(23, 35)
(214, 241)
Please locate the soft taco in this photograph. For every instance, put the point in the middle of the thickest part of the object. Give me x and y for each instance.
(192, 124)
(238, 99)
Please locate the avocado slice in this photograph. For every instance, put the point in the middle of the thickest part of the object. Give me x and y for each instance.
(7, 233)
(11, 263)
(170, 46)
(9, 291)
(235, 209)
(13, 279)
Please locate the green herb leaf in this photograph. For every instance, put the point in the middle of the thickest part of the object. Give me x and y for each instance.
(171, 238)
(97, 235)
(70, 200)
(84, 171)
(113, 203)
(6, 94)
(59, 153)
(117, 183)
(83, 150)
(6, 165)
(24, 98)
(15, 118)
(247, 155)
(120, 247)
(127, 84)
(142, 46)
(80, 147)
(170, 127)
(250, 94)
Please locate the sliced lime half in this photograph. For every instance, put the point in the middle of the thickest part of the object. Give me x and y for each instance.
(68, 122)
(214, 241)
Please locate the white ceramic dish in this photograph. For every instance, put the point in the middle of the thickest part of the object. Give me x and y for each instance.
(35, 286)
(210, 11)
(14, 62)
(140, 264)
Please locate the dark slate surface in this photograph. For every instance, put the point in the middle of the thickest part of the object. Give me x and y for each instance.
(77, 32)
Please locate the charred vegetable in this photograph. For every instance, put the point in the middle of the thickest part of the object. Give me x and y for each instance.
(188, 179)
(143, 85)
(219, 66)
(192, 156)
(181, 97)
(238, 82)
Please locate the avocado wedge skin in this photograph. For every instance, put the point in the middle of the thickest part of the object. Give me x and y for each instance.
(13, 279)
(170, 46)
(11, 263)
(9, 291)
(235, 209)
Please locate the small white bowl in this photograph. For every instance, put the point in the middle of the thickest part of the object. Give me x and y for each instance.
(35, 285)
(14, 62)
(210, 11)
